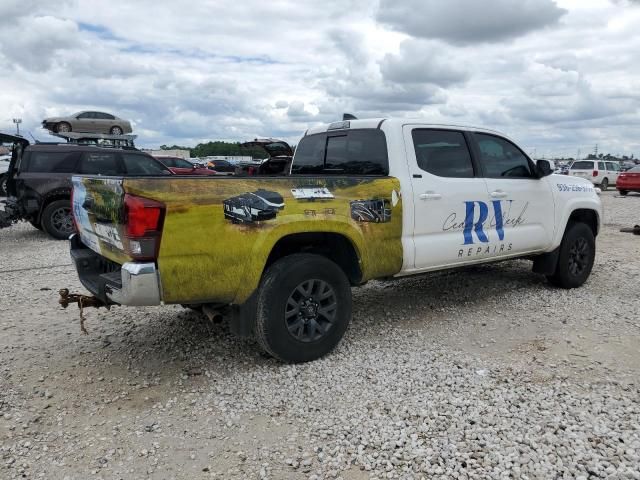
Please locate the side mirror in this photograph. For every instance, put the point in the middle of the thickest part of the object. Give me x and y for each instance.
(543, 168)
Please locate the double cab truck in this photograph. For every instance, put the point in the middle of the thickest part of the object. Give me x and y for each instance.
(363, 200)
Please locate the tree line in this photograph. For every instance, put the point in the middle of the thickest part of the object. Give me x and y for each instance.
(220, 148)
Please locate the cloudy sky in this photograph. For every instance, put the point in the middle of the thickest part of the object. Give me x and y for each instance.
(558, 76)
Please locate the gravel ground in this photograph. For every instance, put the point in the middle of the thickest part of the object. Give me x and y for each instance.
(485, 372)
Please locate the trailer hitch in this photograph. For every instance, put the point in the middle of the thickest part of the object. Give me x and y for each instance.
(83, 301)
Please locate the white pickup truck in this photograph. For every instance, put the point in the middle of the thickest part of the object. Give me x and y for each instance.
(364, 199)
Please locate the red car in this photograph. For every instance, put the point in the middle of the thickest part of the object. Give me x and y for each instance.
(629, 181)
(180, 166)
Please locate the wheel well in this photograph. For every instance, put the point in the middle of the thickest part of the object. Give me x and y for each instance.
(589, 217)
(52, 198)
(334, 246)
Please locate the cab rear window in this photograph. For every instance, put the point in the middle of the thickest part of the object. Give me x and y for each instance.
(349, 152)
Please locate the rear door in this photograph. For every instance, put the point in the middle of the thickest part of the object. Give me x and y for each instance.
(451, 204)
(583, 169)
(523, 209)
(613, 171)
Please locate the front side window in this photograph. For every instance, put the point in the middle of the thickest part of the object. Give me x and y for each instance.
(443, 153)
(99, 163)
(52, 162)
(350, 152)
(501, 158)
(142, 165)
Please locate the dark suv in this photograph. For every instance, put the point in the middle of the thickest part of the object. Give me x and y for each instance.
(39, 179)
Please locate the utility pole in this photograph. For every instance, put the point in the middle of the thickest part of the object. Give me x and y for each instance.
(17, 121)
(578, 155)
(596, 150)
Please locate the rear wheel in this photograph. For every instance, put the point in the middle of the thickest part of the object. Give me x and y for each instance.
(604, 185)
(63, 127)
(57, 220)
(3, 185)
(623, 192)
(304, 308)
(577, 254)
(115, 131)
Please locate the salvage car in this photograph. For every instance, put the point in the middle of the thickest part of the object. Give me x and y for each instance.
(278, 161)
(629, 181)
(88, 122)
(180, 166)
(4, 167)
(363, 200)
(39, 179)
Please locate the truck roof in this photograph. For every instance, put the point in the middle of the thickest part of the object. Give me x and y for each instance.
(377, 123)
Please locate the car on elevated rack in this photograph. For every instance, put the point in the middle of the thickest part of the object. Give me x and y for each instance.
(180, 166)
(629, 181)
(88, 122)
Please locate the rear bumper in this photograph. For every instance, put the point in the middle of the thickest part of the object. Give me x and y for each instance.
(132, 283)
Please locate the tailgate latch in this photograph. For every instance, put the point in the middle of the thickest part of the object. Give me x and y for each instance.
(83, 302)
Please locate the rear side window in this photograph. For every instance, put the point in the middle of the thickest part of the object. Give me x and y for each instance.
(99, 163)
(442, 153)
(351, 152)
(142, 165)
(52, 162)
(501, 158)
(582, 165)
(601, 166)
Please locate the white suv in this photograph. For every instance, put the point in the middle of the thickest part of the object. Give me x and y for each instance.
(599, 172)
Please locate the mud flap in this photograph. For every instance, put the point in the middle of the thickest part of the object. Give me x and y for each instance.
(546, 263)
(242, 318)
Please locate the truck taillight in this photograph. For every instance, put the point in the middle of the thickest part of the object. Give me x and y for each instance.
(595, 173)
(143, 226)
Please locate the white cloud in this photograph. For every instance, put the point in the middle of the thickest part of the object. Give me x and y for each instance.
(553, 75)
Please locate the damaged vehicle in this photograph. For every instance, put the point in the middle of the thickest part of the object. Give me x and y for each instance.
(279, 160)
(39, 179)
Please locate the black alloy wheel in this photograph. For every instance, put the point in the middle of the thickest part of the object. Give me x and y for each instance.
(310, 311)
(57, 219)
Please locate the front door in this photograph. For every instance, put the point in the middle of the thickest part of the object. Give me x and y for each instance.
(452, 211)
(522, 203)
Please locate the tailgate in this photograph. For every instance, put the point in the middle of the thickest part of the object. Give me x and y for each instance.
(98, 210)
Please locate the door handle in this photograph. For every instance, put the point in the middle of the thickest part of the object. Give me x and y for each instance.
(498, 194)
(430, 196)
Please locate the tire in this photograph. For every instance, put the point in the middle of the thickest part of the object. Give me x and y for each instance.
(115, 131)
(577, 254)
(295, 320)
(63, 127)
(3, 185)
(604, 185)
(57, 220)
(624, 192)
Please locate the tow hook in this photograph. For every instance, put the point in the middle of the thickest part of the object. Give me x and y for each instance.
(83, 301)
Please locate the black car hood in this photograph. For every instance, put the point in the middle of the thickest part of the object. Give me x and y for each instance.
(274, 147)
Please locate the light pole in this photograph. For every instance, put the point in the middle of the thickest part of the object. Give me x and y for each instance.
(17, 121)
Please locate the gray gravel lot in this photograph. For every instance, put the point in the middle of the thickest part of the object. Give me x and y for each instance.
(485, 372)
